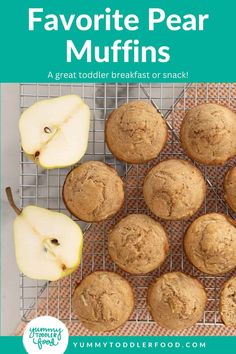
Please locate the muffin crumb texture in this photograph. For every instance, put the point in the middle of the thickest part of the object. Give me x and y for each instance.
(103, 301)
(176, 301)
(138, 244)
(174, 189)
(210, 243)
(230, 188)
(136, 132)
(93, 191)
(228, 303)
(208, 133)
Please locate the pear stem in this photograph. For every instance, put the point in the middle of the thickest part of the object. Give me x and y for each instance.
(11, 201)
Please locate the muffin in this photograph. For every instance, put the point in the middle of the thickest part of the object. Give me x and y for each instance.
(208, 134)
(174, 189)
(230, 188)
(210, 243)
(103, 301)
(176, 301)
(135, 132)
(138, 244)
(93, 191)
(228, 303)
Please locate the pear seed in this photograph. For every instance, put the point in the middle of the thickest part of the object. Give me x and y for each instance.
(54, 241)
(37, 154)
(47, 130)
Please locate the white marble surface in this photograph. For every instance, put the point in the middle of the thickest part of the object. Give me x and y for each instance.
(10, 290)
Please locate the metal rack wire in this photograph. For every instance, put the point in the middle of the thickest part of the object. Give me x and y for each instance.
(43, 188)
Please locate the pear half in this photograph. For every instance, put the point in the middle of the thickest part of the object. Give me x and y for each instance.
(54, 132)
(48, 244)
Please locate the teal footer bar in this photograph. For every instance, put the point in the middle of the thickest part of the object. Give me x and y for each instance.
(206, 345)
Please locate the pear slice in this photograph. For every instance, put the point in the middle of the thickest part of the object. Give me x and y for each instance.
(48, 244)
(54, 132)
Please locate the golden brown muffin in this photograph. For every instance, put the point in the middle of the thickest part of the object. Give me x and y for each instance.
(138, 244)
(135, 132)
(210, 243)
(228, 303)
(230, 188)
(93, 191)
(176, 301)
(174, 189)
(103, 301)
(208, 133)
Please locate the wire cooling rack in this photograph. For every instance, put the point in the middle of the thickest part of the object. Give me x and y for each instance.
(43, 188)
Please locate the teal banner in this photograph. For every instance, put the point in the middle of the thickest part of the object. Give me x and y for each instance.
(165, 345)
(118, 41)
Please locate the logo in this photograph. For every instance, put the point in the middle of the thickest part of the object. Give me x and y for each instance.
(45, 334)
